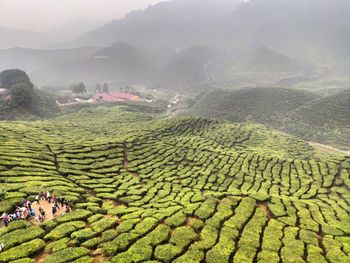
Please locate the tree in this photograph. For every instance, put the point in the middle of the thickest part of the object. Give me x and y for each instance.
(21, 95)
(79, 88)
(11, 77)
(105, 88)
(98, 88)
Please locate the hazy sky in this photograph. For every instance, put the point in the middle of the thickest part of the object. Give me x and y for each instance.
(43, 14)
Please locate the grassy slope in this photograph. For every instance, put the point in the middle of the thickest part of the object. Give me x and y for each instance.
(297, 112)
(173, 189)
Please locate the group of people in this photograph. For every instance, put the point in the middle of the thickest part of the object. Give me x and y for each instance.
(26, 212)
(51, 199)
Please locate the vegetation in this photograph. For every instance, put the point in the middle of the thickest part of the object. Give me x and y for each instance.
(22, 99)
(11, 77)
(300, 113)
(182, 189)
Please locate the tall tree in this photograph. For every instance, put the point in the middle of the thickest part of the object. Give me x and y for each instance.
(21, 95)
(11, 77)
(79, 88)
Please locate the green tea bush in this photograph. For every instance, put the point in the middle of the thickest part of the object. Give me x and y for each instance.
(23, 251)
(67, 255)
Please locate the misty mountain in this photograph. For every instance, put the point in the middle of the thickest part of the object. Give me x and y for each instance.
(21, 38)
(71, 30)
(271, 23)
(32, 59)
(119, 62)
(187, 67)
(263, 59)
(11, 37)
(178, 23)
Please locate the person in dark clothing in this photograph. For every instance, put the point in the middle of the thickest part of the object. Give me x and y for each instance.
(54, 209)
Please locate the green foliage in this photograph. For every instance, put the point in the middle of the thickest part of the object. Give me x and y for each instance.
(64, 230)
(103, 224)
(66, 255)
(148, 189)
(11, 77)
(21, 236)
(22, 95)
(22, 251)
(78, 214)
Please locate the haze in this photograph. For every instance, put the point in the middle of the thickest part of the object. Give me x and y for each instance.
(40, 15)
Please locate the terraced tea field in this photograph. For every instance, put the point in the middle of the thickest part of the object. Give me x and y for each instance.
(150, 189)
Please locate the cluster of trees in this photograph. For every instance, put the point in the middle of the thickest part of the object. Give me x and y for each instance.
(80, 88)
(19, 85)
(102, 88)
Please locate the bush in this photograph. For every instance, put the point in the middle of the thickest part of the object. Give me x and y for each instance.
(167, 252)
(14, 226)
(23, 260)
(20, 236)
(86, 259)
(83, 235)
(104, 224)
(190, 256)
(64, 230)
(57, 245)
(23, 251)
(78, 214)
(182, 236)
(67, 255)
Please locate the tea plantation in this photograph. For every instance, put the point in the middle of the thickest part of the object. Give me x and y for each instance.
(184, 189)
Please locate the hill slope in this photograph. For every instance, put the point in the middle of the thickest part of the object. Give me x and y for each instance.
(173, 189)
(33, 59)
(301, 113)
(120, 62)
(326, 120)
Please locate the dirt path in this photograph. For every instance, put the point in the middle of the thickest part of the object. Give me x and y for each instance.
(48, 210)
(327, 148)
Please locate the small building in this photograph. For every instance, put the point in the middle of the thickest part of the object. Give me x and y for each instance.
(115, 97)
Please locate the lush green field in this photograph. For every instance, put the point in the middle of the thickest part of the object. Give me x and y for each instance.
(186, 189)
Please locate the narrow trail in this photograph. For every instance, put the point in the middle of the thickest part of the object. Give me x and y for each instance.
(327, 148)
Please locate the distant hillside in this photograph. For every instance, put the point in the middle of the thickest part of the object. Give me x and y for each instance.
(263, 59)
(120, 62)
(187, 68)
(178, 23)
(33, 59)
(263, 105)
(329, 117)
(258, 66)
(325, 120)
(228, 23)
(11, 37)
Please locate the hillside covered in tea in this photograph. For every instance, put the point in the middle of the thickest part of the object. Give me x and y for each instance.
(146, 188)
(308, 115)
